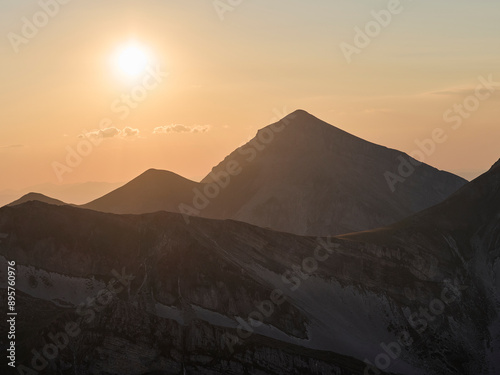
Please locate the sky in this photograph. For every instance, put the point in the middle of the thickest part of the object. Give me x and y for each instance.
(207, 74)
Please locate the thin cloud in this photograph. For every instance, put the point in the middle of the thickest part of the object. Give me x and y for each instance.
(130, 132)
(177, 128)
(11, 146)
(111, 132)
(462, 91)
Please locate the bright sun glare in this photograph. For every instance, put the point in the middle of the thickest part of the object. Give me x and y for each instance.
(132, 60)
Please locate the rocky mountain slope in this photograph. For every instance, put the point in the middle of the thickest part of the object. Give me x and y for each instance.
(213, 297)
(315, 179)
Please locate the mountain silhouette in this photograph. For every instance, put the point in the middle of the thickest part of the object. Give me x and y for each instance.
(312, 178)
(299, 175)
(154, 190)
(37, 197)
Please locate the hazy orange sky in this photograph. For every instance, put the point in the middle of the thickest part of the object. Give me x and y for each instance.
(224, 71)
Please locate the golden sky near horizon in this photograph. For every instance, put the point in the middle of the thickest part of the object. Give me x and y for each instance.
(178, 85)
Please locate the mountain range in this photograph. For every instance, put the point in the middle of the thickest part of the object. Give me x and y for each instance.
(299, 175)
(298, 256)
(225, 297)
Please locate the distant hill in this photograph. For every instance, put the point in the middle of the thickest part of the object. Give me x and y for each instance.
(77, 193)
(154, 190)
(37, 197)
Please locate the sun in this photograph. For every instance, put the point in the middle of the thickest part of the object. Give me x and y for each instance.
(132, 60)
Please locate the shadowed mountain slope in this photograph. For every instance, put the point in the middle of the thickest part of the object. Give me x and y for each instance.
(305, 176)
(424, 289)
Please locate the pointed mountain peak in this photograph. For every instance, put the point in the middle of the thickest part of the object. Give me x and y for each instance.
(306, 129)
(300, 114)
(302, 118)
